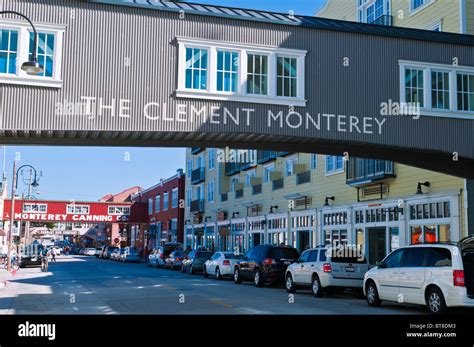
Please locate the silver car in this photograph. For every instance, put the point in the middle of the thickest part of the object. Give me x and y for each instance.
(221, 264)
(325, 268)
(129, 255)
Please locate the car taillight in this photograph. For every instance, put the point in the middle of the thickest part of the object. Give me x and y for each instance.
(226, 262)
(269, 261)
(161, 256)
(327, 267)
(458, 278)
(178, 259)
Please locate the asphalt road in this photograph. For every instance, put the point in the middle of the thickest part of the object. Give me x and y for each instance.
(87, 285)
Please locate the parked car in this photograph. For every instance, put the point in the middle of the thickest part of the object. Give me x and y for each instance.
(115, 255)
(437, 275)
(324, 268)
(265, 264)
(97, 251)
(81, 251)
(89, 251)
(194, 262)
(129, 254)
(175, 259)
(30, 255)
(108, 252)
(221, 264)
(160, 253)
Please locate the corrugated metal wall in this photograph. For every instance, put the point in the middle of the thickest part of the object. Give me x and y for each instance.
(100, 38)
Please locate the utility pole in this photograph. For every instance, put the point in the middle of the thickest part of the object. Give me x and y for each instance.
(12, 219)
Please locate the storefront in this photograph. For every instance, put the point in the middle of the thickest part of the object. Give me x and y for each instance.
(238, 227)
(256, 231)
(210, 236)
(223, 234)
(379, 228)
(277, 229)
(303, 229)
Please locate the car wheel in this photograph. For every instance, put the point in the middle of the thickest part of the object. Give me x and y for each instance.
(435, 301)
(289, 285)
(373, 298)
(237, 278)
(258, 280)
(316, 287)
(218, 274)
(182, 269)
(204, 272)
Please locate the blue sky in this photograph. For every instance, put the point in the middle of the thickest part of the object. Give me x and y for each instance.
(87, 173)
(305, 7)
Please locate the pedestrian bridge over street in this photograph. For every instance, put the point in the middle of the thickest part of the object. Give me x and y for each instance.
(143, 73)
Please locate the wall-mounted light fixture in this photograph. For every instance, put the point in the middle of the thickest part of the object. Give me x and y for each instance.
(326, 200)
(419, 191)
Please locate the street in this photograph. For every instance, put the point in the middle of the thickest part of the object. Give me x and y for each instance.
(87, 285)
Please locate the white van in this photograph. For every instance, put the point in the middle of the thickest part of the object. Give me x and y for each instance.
(437, 275)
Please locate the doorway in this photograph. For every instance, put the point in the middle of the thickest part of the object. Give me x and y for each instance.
(377, 244)
(303, 240)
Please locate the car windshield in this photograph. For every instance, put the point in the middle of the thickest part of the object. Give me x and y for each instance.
(284, 253)
(234, 256)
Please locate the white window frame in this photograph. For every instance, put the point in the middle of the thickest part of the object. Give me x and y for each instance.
(413, 11)
(174, 193)
(166, 201)
(157, 203)
(210, 191)
(241, 95)
(336, 170)
(74, 206)
(436, 25)
(266, 171)
(119, 210)
(190, 196)
(365, 4)
(150, 206)
(248, 176)
(211, 158)
(21, 77)
(293, 160)
(427, 110)
(40, 207)
(314, 161)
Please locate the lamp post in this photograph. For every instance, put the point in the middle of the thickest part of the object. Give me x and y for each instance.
(32, 66)
(12, 212)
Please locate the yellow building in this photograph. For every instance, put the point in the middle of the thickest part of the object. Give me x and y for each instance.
(236, 200)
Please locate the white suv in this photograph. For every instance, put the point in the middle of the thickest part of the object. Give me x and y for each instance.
(324, 268)
(437, 275)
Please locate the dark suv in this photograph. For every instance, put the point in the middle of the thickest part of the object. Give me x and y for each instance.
(265, 264)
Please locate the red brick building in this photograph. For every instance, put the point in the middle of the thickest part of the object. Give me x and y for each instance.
(165, 210)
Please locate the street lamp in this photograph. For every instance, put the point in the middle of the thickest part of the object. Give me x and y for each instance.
(12, 215)
(32, 66)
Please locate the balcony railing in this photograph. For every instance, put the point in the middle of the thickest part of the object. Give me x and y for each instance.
(196, 150)
(257, 189)
(197, 206)
(264, 156)
(303, 177)
(362, 171)
(383, 20)
(239, 193)
(278, 184)
(198, 175)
